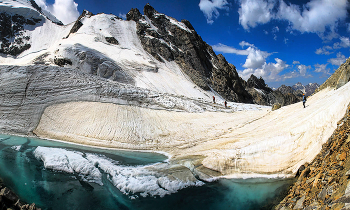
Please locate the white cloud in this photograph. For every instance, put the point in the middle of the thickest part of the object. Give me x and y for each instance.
(339, 60)
(123, 16)
(210, 8)
(275, 29)
(322, 68)
(316, 16)
(256, 63)
(268, 71)
(303, 69)
(345, 42)
(325, 50)
(64, 10)
(256, 58)
(227, 49)
(253, 12)
(285, 40)
(244, 43)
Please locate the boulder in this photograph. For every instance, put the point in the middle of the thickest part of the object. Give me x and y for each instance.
(276, 106)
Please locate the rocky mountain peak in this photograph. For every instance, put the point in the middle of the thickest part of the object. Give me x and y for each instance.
(188, 24)
(254, 82)
(168, 40)
(149, 11)
(134, 14)
(340, 77)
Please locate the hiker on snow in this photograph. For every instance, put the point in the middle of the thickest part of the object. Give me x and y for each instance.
(304, 99)
(214, 99)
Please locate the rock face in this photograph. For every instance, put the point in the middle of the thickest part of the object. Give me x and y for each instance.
(340, 77)
(13, 37)
(169, 40)
(78, 24)
(17, 23)
(264, 95)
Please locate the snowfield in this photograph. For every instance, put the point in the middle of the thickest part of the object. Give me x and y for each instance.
(251, 141)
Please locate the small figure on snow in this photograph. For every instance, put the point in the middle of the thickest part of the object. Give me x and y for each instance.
(225, 104)
(214, 99)
(304, 99)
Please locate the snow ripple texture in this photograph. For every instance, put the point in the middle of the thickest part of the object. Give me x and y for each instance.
(130, 180)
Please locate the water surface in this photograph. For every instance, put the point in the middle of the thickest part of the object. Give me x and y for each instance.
(57, 175)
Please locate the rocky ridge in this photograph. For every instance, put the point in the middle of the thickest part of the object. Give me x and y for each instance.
(167, 39)
(16, 25)
(263, 95)
(340, 77)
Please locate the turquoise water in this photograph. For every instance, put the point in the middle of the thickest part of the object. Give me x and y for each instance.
(37, 171)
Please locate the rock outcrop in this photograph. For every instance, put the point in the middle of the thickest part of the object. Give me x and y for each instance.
(9, 200)
(340, 77)
(263, 95)
(13, 37)
(169, 40)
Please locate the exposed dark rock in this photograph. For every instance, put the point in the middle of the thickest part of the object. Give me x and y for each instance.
(134, 14)
(276, 106)
(170, 40)
(62, 61)
(9, 200)
(112, 40)
(254, 82)
(340, 77)
(264, 95)
(78, 24)
(13, 38)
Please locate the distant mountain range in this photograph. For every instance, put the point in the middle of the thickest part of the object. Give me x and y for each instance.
(307, 89)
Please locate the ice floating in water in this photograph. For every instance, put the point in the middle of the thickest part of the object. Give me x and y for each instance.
(68, 161)
(17, 148)
(151, 180)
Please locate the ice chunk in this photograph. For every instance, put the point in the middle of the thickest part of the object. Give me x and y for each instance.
(68, 161)
(151, 180)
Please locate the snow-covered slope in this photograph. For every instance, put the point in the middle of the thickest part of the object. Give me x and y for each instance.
(27, 9)
(260, 141)
(89, 51)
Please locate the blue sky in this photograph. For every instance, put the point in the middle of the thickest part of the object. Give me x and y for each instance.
(283, 41)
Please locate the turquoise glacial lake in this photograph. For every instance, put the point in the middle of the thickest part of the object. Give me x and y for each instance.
(57, 175)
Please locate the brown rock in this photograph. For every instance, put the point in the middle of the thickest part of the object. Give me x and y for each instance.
(342, 156)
